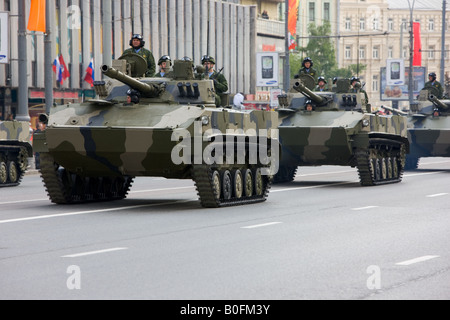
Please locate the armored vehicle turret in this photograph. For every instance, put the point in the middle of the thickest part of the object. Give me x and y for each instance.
(338, 128)
(164, 127)
(428, 128)
(15, 149)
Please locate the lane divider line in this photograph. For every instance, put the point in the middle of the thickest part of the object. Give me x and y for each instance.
(416, 260)
(261, 225)
(93, 252)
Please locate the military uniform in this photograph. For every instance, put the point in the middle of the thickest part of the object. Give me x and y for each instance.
(311, 71)
(437, 85)
(220, 83)
(148, 56)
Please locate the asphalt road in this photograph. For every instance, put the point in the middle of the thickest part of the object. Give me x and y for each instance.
(320, 237)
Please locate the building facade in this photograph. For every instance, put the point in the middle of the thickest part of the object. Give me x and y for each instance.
(376, 30)
(101, 30)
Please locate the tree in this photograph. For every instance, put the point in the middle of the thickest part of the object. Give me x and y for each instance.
(320, 49)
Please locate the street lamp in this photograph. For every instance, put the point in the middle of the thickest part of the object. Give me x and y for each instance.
(411, 53)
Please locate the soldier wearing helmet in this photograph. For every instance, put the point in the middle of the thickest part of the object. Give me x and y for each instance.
(164, 64)
(137, 43)
(220, 82)
(321, 82)
(433, 83)
(356, 87)
(307, 68)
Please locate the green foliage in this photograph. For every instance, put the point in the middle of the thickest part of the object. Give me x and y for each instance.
(320, 49)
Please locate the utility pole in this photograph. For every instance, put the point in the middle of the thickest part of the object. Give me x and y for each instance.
(287, 68)
(411, 54)
(22, 112)
(48, 71)
(444, 25)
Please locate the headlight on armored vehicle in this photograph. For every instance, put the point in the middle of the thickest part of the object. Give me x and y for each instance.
(365, 123)
(205, 120)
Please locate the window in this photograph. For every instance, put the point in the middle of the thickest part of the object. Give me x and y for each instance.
(326, 11)
(376, 24)
(404, 25)
(362, 52)
(390, 24)
(431, 50)
(375, 83)
(362, 24)
(348, 52)
(376, 52)
(312, 12)
(348, 24)
(390, 52)
(446, 55)
(431, 25)
(404, 52)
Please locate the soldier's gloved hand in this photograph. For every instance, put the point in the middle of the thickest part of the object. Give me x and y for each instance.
(296, 76)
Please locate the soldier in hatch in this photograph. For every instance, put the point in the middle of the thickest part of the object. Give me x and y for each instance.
(220, 82)
(137, 46)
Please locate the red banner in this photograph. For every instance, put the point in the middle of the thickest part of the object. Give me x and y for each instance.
(417, 57)
(292, 22)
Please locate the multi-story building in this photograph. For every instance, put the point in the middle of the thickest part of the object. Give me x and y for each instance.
(363, 24)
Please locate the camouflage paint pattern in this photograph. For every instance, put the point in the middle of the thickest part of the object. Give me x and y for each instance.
(108, 136)
(16, 131)
(429, 133)
(329, 134)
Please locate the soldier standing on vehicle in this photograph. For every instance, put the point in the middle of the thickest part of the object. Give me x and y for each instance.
(220, 82)
(321, 82)
(433, 83)
(164, 64)
(137, 43)
(307, 68)
(356, 87)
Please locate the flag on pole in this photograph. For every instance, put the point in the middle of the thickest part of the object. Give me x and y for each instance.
(292, 22)
(90, 73)
(417, 57)
(37, 22)
(57, 69)
(65, 71)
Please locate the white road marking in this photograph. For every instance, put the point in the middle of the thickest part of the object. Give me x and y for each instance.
(416, 260)
(365, 208)
(436, 195)
(92, 211)
(261, 225)
(93, 252)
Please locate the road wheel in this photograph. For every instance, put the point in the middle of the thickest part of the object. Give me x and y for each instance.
(248, 182)
(227, 185)
(3, 173)
(13, 173)
(238, 184)
(259, 183)
(216, 184)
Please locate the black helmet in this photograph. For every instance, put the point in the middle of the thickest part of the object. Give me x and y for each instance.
(139, 37)
(164, 58)
(307, 59)
(186, 58)
(134, 95)
(354, 79)
(335, 79)
(207, 58)
(432, 74)
(321, 79)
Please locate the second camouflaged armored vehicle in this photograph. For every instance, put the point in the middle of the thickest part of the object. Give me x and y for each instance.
(15, 149)
(428, 128)
(165, 127)
(338, 128)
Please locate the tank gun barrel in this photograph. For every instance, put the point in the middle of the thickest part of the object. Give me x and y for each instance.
(438, 102)
(149, 90)
(300, 87)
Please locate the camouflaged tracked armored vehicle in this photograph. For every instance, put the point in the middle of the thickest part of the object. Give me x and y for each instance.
(165, 127)
(15, 149)
(338, 128)
(428, 128)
